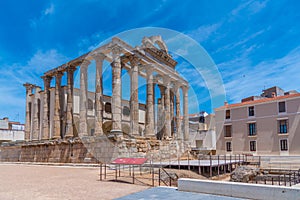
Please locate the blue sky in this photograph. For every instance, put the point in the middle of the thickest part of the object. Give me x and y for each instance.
(254, 44)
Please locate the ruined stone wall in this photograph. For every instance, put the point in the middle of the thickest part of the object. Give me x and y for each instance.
(91, 150)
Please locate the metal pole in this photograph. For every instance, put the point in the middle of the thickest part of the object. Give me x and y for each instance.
(284, 179)
(152, 177)
(189, 160)
(239, 159)
(218, 165)
(224, 164)
(230, 163)
(105, 171)
(133, 174)
(199, 169)
(116, 169)
(119, 170)
(159, 177)
(210, 166)
(101, 172)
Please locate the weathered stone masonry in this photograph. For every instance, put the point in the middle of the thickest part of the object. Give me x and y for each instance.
(51, 114)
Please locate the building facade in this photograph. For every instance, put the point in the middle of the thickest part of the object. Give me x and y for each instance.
(260, 125)
(11, 131)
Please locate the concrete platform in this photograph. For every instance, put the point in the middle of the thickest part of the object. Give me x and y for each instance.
(169, 193)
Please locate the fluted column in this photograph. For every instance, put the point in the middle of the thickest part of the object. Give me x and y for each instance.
(70, 82)
(35, 132)
(149, 129)
(185, 113)
(46, 124)
(83, 127)
(134, 101)
(178, 117)
(57, 121)
(116, 92)
(172, 112)
(161, 113)
(167, 107)
(99, 58)
(28, 111)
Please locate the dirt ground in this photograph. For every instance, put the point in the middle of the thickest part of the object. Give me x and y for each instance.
(57, 182)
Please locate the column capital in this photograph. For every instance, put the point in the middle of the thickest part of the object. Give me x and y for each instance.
(47, 78)
(99, 57)
(58, 74)
(167, 80)
(185, 89)
(71, 68)
(85, 63)
(116, 50)
(149, 70)
(134, 60)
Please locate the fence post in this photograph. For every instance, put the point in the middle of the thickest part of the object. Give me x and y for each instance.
(224, 164)
(159, 177)
(279, 180)
(101, 172)
(272, 181)
(230, 163)
(133, 174)
(105, 171)
(152, 177)
(284, 179)
(189, 160)
(199, 168)
(218, 165)
(210, 166)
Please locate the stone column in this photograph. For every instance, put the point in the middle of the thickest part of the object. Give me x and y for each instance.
(116, 92)
(35, 132)
(167, 107)
(57, 120)
(70, 82)
(185, 113)
(178, 117)
(172, 112)
(46, 124)
(134, 101)
(149, 129)
(27, 116)
(99, 58)
(161, 113)
(154, 110)
(83, 127)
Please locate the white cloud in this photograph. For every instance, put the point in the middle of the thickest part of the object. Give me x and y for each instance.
(243, 79)
(49, 10)
(202, 33)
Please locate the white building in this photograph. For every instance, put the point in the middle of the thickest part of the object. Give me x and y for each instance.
(11, 131)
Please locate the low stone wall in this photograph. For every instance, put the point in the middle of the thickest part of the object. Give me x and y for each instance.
(239, 190)
(90, 150)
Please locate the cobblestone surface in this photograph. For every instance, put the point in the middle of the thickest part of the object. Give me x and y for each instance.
(20, 181)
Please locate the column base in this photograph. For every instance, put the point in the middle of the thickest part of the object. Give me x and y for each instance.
(116, 135)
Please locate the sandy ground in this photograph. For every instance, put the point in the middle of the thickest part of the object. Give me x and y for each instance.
(56, 182)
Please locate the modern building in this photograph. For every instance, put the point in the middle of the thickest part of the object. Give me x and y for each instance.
(260, 125)
(202, 132)
(11, 131)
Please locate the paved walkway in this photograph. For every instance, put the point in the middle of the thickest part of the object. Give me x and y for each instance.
(167, 193)
(36, 182)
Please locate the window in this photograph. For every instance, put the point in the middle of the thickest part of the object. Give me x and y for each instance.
(283, 145)
(227, 131)
(126, 111)
(252, 129)
(90, 104)
(228, 147)
(283, 126)
(251, 111)
(252, 145)
(281, 107)
(227, 114)
(107, 107)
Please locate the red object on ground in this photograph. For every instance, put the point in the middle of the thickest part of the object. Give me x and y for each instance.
(129, 161)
